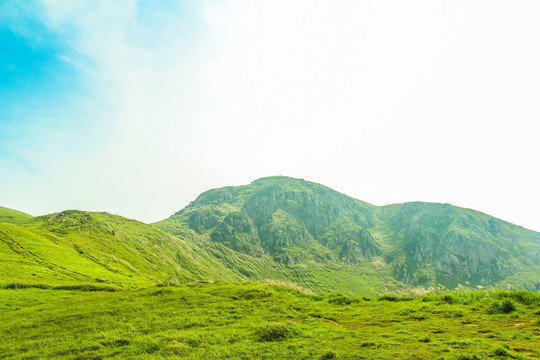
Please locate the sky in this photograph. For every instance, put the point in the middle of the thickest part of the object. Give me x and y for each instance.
(136, 107)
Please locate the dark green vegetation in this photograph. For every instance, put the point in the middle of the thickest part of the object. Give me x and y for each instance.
(278, 228)
(259, 321)
(328, 241)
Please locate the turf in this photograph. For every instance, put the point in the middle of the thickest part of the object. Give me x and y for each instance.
(13, 216)
(249, 320)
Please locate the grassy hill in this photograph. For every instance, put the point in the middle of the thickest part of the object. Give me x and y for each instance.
(305, 226)
(283, 229)
(79, 285)
(13, 216)
(74, 247)
(260, 321)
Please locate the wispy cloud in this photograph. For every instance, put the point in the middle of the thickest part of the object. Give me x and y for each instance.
(388, 102)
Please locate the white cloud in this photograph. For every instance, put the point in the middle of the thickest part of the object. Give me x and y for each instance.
(386, 101)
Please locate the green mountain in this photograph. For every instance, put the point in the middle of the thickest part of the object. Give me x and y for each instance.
(305, 226)
(275, 229)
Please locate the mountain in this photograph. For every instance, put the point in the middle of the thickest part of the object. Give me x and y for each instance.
(280, 229)
(304, 225)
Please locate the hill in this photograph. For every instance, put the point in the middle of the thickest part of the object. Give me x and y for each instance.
(77, 247)
(13, 216)
(305, 226)
(281, 229)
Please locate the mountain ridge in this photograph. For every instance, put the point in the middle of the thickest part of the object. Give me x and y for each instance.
(277, 210)
(282, 229)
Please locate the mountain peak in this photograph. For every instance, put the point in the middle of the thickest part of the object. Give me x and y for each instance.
(298, 223)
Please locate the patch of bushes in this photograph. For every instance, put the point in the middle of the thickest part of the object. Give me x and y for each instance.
(370, 344)
(447, 298)
(328, 355)
(406, 311)
(425, 339)
(340, 299)
(390, 297)
(26, 286)
(86, 287)
(521, 296)
(162, 291)
(501, 351)
(276, 332)
(460, 343)
(502, 307)
(81, 287)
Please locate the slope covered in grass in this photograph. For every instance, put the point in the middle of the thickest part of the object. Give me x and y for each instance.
(258, 321)
(278, 228)
(13, 216)
(303, 225)
(74, 247)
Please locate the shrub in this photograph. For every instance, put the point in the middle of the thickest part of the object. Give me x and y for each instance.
(507, 306)
(425, 339)
(504, 307)
(521, 296)
(406, 311)
(340, 299)
(369, 344)
(275, 332)
(328, 355)
(447, 298)
(389, 297)
(501, 352)
(26, 286)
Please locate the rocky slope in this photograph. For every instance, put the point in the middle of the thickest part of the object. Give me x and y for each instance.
(421, 244)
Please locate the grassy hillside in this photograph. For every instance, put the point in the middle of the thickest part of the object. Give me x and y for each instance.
(259, 321)
(281, 229)
(303, 225)
(13, 216)
(74, 247)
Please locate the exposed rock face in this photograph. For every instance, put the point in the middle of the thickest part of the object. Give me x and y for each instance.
(205, 218)
(457, 244)
(353, 242)
(238, 232)
(471, 258)
(284, 231)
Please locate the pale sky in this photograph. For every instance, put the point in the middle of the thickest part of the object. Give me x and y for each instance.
(136, 107)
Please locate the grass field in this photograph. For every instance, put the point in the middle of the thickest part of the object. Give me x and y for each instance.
(249, 320)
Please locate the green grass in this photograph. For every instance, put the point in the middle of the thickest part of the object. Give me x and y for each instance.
(259, 321)
(77, 247)
(13, 216)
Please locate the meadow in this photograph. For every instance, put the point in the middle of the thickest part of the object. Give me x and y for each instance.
(250, 320)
